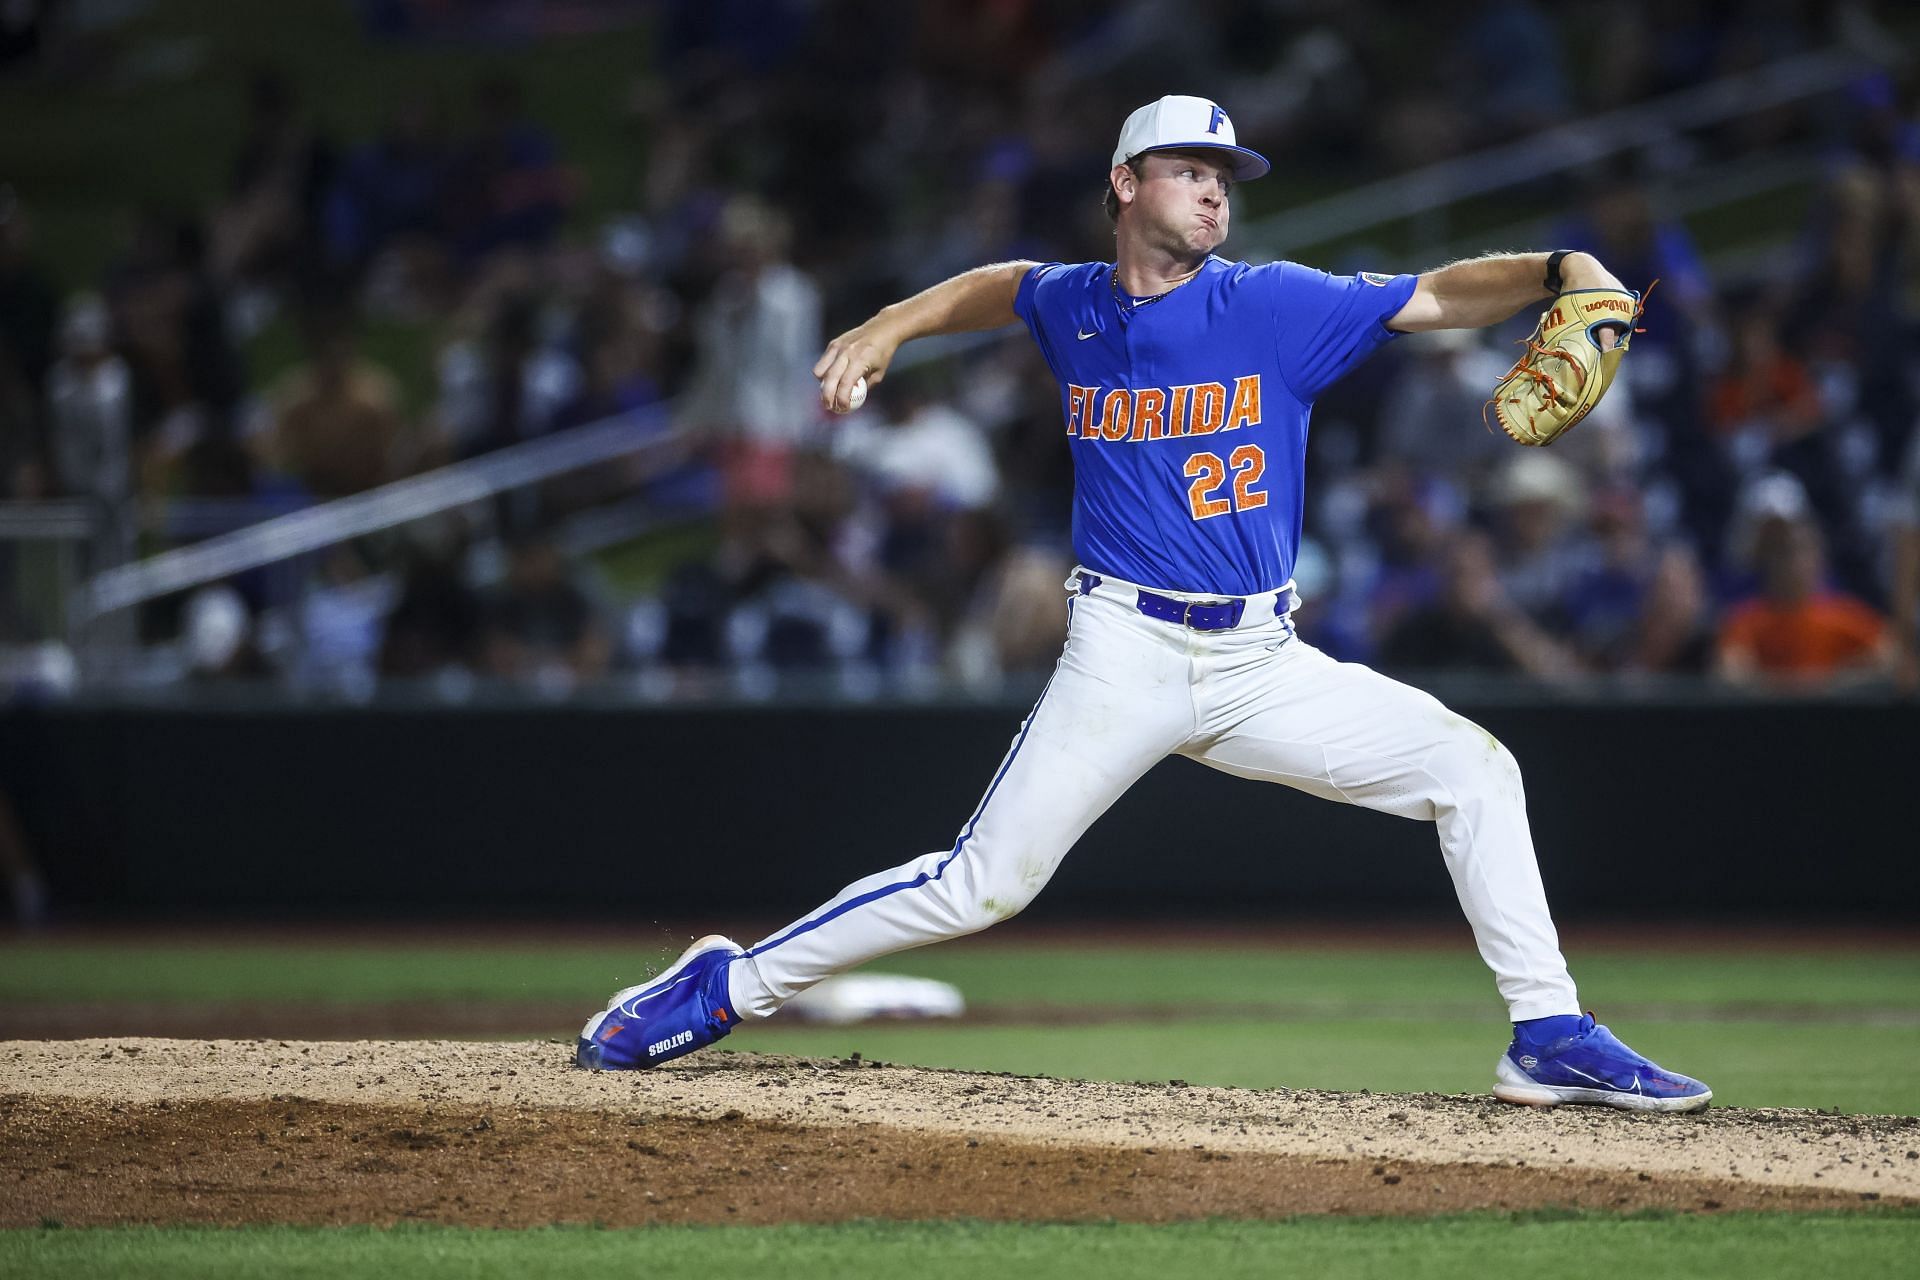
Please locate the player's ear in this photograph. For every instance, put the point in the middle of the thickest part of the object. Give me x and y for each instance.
(1125, 183)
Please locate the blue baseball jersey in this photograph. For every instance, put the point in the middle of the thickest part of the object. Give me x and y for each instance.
(1187, 415)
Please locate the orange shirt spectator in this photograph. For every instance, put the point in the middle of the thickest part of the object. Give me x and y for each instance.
(1815, 636)
(337, 426)
(1795, 634)
(1765, 385)
(1783, 387)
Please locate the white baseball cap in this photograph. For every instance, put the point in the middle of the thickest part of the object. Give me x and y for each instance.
(1177, 123)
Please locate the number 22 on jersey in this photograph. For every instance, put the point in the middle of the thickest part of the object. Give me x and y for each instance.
(1248, 463)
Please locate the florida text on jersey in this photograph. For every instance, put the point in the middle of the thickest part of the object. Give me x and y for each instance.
(1187, 416)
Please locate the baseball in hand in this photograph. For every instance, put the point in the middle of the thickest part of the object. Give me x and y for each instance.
(857, 396)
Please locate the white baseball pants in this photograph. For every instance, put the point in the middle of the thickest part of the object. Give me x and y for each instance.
(1253, 701)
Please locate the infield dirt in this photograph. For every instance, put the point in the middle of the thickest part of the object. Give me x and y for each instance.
(106, 1131)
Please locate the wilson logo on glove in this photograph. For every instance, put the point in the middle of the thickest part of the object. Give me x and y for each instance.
(1564, 371)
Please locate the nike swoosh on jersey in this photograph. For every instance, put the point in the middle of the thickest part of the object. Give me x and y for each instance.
(1085, 336)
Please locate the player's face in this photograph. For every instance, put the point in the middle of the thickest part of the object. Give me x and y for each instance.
(1182, 200)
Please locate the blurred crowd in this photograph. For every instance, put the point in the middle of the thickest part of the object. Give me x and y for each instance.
(1745, 505)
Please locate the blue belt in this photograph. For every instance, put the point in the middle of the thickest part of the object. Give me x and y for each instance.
(1187, 613)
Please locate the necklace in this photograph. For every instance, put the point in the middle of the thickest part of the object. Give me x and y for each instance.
(1130, 303)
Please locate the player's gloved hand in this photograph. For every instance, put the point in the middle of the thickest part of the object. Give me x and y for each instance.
(1571, 359)
(863, 352)
(1583, 271)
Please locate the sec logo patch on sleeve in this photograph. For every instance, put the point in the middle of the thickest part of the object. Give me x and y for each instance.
(1375, 278)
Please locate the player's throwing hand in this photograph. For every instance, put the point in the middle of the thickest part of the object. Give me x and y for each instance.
(857, 356)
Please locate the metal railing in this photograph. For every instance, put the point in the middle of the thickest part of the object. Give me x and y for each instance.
(646, 435)
(400, 502)
(46, 548)
(67, 520)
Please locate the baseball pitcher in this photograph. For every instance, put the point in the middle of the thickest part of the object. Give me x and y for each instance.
(1186, 384)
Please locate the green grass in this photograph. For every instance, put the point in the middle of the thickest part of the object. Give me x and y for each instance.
(1333, 980)
(1330, 1018)
(1345, 978)
(340, 974)
(1672, 1248)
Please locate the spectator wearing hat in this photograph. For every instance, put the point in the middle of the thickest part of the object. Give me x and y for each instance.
(1795, 634)
(1538, 503)
(90, 406)
(90, 427)
(758, 333)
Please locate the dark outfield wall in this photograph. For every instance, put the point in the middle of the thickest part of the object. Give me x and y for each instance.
(1637, 810)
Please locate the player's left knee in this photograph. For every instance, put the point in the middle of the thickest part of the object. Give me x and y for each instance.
(1000, 903)
(1475, 758)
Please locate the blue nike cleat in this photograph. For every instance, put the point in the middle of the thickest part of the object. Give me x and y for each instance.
(1592, 1066)
(668, 1016)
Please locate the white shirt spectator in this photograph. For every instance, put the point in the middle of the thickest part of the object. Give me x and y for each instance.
(937, 450)
(90, 407)
(759, 336)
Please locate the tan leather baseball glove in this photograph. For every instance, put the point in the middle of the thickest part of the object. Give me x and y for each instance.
(1564, 371)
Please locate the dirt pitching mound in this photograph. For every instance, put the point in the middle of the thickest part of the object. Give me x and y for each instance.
(100, 1131)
